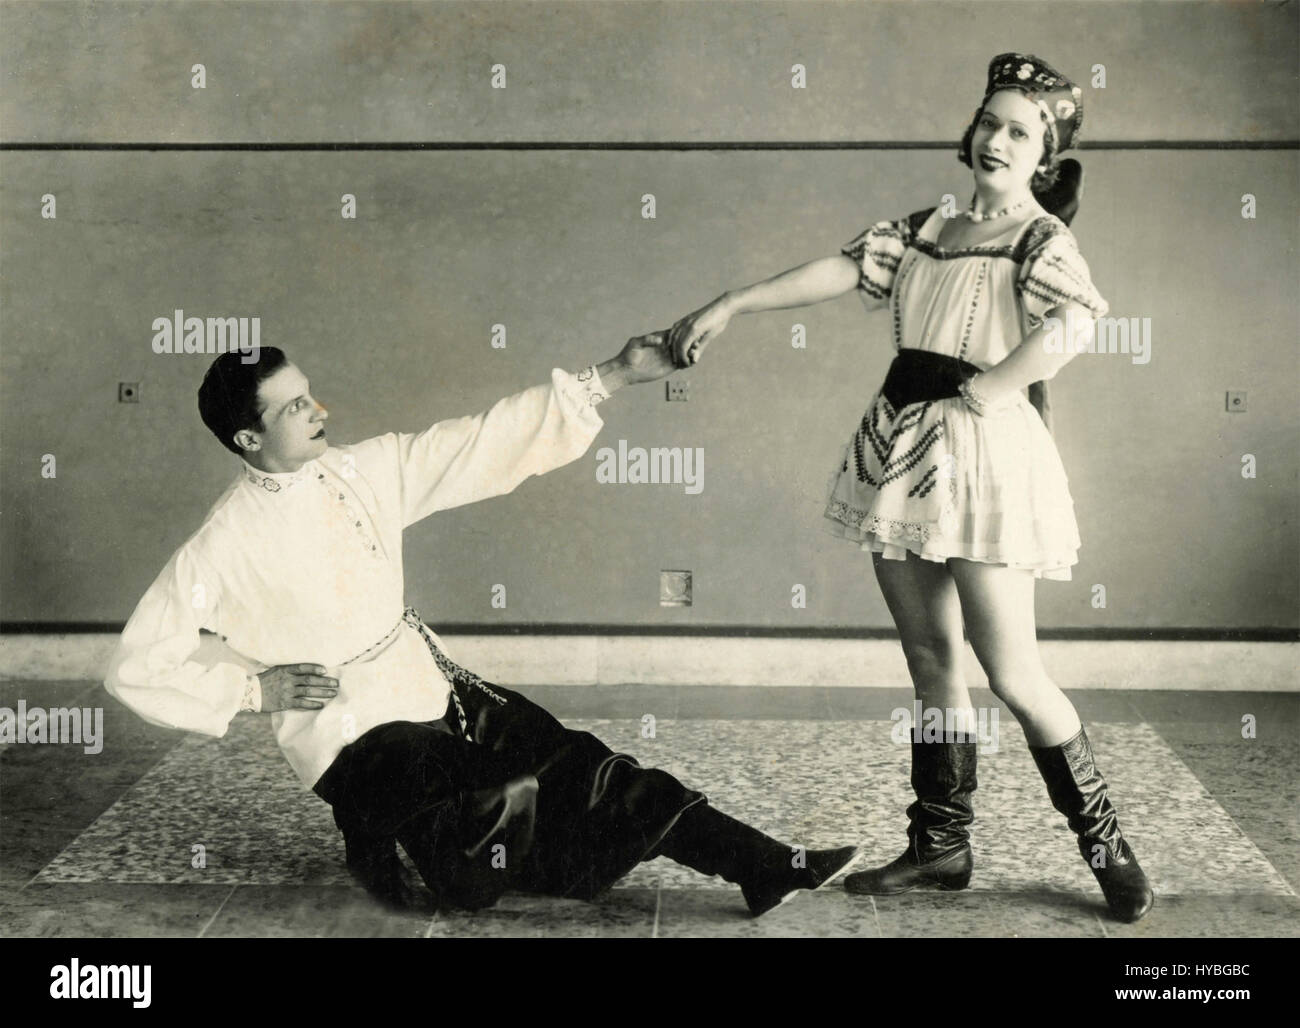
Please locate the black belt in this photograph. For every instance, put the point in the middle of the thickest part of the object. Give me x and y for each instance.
(918, 376)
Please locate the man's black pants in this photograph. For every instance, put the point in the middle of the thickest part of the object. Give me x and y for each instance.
(528, 805)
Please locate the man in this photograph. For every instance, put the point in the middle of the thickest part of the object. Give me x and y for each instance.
(298, 566)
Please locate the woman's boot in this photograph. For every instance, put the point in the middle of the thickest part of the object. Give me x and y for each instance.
(1078, 791)
(938, 852)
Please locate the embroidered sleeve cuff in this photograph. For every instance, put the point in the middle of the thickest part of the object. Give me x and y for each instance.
(591, 389)
(252, 695)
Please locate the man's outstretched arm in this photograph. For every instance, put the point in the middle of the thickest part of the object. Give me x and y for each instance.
(466, 459)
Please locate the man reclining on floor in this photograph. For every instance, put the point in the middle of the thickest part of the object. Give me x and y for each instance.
(298, 566)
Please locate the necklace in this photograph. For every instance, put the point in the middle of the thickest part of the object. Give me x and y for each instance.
(970, 214)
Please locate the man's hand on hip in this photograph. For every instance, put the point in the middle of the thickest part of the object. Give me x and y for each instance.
(296, 687)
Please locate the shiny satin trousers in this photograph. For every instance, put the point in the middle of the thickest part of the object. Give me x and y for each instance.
(529, 805)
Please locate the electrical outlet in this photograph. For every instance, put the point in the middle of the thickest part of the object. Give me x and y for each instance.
(674, 588)
(679, 389)
(128, 392)
(1237, 400)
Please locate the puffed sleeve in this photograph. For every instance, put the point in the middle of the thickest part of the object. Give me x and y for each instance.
(1053, 273)
(877, 252)
(463, 460)
(158, 670)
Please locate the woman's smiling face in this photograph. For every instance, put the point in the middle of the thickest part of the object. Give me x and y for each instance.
(1008, 142)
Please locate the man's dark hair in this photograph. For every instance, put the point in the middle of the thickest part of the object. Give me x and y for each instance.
(228, 396)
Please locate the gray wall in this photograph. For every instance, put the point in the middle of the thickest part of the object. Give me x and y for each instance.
(389, 315)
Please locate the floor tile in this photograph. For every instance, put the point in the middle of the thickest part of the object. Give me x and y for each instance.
(717, 702)
(108, 910)
(808, 783)
(1033, 913)
(306, 911)
(26, 846)
(1218, 716)
(620, 913)
(1235, 916)
(605, 701)
(947, 915)
(1257, 785)
(63, 692)
(721, 913)
(105, 844)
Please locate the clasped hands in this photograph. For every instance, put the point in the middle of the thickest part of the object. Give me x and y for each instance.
(658, 354)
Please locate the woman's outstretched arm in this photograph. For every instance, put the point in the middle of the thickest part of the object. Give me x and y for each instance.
(818, 280)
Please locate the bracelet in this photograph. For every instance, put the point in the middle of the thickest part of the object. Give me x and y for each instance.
(979, 406)
(252, 700)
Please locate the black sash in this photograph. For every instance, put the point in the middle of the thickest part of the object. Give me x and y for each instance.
(919, 376)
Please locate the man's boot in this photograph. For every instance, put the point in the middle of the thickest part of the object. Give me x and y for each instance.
(374, 864)
(768, 872)
(468, 849)
(938, 851)
(1078, 791)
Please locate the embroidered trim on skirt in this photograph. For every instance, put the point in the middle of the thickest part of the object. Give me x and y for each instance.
(935, 480)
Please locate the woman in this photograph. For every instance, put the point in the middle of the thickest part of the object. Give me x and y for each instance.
(952, 481)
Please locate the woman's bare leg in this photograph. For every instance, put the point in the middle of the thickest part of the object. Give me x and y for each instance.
(923, 600)
(998, 605)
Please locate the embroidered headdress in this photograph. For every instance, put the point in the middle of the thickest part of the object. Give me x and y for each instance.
(1059, 98)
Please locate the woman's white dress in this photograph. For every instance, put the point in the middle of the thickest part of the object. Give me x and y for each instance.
(933, 478)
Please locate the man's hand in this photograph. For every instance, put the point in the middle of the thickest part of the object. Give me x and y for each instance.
(644, 359)
(296, 687)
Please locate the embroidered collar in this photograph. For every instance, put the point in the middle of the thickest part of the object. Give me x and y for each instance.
(274, 481)
(989, 248)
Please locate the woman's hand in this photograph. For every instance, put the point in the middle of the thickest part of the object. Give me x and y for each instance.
(694, 332)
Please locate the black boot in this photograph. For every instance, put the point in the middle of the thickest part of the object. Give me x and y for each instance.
(768, 872)
(470, 849)
(938, 852)
(375, 866)
(1078, 791)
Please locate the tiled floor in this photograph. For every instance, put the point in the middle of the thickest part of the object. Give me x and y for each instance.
(164, 834)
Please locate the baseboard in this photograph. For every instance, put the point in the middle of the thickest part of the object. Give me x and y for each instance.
(686, 660)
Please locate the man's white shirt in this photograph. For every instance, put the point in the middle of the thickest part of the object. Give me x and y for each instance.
(306, 567)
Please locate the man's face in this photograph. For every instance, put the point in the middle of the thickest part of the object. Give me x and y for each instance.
(294, 423)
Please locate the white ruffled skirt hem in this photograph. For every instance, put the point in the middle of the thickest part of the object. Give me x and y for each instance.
(991, 490)
(939, 550)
